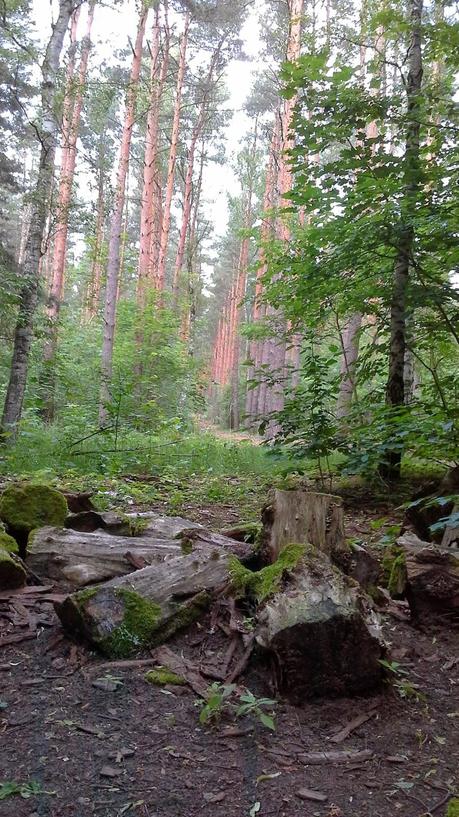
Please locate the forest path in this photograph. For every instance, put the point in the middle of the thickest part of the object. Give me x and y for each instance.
(225, 434)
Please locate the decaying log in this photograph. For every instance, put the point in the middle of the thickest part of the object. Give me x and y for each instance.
(432, 577)
(85, 558)
(302, 517)
(143, 609)
(131, 524)
(451, 534)
(322, 638)
(195, 538)
(79, 502)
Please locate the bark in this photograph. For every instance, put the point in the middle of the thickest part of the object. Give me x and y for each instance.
(95, 276)
(113, 264)
(61, 231)
(79, 559)
(12, 573)
(350, 338)
(49, 129)
(305, 518)
(168, 597)
(159, 67)
(166, 220)
(320, 634)
(395, 390)
(131, 524)
(188, 192)
(430, 578)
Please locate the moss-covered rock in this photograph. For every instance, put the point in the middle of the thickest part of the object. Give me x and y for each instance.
(12, 573)
(453, 808)
(265, 582)
(162, 676)
(8, 543)
(28, 506)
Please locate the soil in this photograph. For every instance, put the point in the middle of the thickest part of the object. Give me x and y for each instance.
(135, 749)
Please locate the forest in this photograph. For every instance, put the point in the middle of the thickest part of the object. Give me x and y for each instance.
(229, 408)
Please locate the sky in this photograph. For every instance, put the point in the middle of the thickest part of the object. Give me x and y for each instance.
(112, 29)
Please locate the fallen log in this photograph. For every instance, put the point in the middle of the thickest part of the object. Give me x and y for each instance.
(317, 629)
(200, 537)
(431, 577)
(130, 524)
(302, 517)
(145, 608)
(80, 559)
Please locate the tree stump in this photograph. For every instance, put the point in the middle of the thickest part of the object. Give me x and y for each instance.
(432, 577)
(303, 517)
(322, 637)
(12, 573)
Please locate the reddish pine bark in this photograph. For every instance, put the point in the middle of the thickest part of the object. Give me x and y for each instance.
(166, 219)
(69, 153)
(148, 211)
(113, 264)
(187, 196)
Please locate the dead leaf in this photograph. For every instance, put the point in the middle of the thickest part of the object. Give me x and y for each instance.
(309, 794)
(397, 758)
(109, 771)
(89, 730)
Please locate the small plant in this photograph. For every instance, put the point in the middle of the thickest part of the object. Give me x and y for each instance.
(405, 688)
(214, 704)
(25, 790)
(218, 702)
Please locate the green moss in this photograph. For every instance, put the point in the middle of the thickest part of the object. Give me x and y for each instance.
(186, 546)
(140, 621)
(12, 573)
(135, 525)
(265, 582)
(8, 543)
(185, 614)
(453, 808)
(394, 570)
(162, 676)
(24, 507)
(245, 532)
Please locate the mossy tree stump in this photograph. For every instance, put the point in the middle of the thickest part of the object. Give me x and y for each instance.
(303, 517)
(323, 638)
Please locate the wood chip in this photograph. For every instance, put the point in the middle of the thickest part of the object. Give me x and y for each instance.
(317, 758)
(310, 794)
(181, 666)
(109, 771)
(351, 727)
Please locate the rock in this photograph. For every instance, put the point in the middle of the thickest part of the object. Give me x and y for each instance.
(24, 507)
(321, 633)
(8, 543)
(12, 573)
(360, 565)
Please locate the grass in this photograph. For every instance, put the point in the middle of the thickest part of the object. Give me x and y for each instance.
(178, 472)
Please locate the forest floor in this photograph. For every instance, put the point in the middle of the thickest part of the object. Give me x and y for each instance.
(79, 749)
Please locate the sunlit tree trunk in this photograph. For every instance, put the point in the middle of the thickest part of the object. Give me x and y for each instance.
(166, 216)
(148, 210)
(48, 134)
(395, 390)
(187, 196)
(56, 291)
(113, 264)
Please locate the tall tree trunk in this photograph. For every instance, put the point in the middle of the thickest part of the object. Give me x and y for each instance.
(395, 390)
(158, 75)
(189, 316)
(113, 264)
(49, 129)
(48, 376)
(350, 350)
(95, 275)
(166, 219)
(187, 196)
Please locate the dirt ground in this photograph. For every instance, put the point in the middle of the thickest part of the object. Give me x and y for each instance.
(135, 749)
